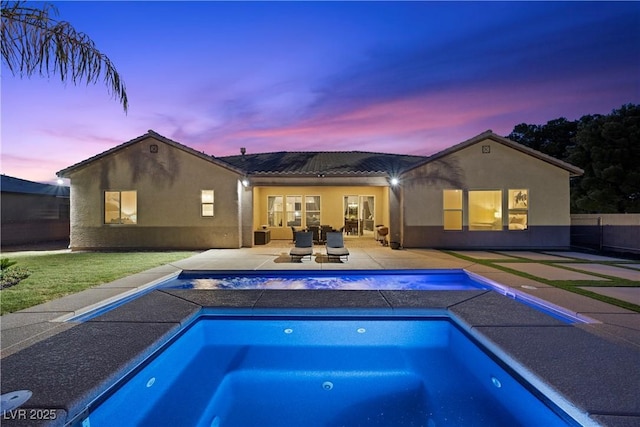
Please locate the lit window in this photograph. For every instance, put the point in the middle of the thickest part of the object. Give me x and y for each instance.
(120, 207)
(452, 209)
(274, 211)
(206, 202)
(294, 211)
(312, 207)
(518, 209)
(485, 210)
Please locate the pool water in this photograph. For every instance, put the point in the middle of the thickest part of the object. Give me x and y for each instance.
(369, 371)
(356, 280)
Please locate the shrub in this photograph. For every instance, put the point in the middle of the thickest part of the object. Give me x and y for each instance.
(12, 275)
(6, 263)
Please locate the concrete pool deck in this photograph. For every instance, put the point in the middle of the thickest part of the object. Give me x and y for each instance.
(596, 365)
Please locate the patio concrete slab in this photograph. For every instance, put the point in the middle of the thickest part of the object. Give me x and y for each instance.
(548, 272)
(21, 318)
(69, 370)
(492, 308)
(578, 304)
(73, 303)
(155, 306)
(628, 294)
(484, 255)
(583, 256)
(219, 298)
(618, 327)
(535, 256)
(322, 299)
(636, 266)
(607, 270)
(574, 362)
(504, 278)
(402, 300)
(16, 339)
(618, 420)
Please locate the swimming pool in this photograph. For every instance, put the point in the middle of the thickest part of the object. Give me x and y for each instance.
(226, 371)
(380, 280)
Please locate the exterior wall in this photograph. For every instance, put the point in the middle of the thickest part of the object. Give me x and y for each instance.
(503, 168)
(168, 185)
(33, 218)
(611, 232)
(246, 214)
(331, 204)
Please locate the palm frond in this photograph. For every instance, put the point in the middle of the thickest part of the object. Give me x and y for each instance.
(35, 43)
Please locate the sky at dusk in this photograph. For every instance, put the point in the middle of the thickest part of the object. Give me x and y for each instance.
(409, 78)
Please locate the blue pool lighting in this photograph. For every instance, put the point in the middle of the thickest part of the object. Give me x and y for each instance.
(279, 371)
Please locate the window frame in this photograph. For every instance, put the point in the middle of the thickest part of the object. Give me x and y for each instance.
(518, 207)
(290, 214)
(307, 211)
(121, 219)
(498, 216)
(446, 209)
(207, 203)
(272, 213)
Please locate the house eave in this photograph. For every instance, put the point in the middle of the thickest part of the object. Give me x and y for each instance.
(318, 181)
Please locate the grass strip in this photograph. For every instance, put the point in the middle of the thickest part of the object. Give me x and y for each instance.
(59, 274)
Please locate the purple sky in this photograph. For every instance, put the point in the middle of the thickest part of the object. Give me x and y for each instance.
(411, 78)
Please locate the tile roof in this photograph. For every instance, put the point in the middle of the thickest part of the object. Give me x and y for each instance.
(9, 184)
(336, 163)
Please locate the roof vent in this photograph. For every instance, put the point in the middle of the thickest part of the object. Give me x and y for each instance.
(243, 150)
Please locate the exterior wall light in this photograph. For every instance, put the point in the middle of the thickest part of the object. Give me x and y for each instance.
(394, 181)
(245, 182)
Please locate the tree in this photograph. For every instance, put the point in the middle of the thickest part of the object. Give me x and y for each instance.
(608, 150)
(35, 43)
(606, 147)
(555, 138)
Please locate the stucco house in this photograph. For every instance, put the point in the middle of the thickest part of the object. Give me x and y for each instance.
(486, 192)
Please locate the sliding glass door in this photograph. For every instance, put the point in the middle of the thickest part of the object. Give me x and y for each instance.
(359, 215)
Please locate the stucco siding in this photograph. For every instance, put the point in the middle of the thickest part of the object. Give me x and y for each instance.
(168, 182)
(498, 168)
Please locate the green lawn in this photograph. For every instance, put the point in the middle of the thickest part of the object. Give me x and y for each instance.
(59, 274)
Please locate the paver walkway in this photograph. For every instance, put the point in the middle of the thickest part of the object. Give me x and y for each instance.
(584, 256)
(549, 272)
(607, 270)
(536, 256)
(624, 294)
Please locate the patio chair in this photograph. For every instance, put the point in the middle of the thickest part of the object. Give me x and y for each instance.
(303, 247)
(335, 246)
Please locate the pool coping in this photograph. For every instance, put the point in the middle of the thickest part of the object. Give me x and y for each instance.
(70, 370)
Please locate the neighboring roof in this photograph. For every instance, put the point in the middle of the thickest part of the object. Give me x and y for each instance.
(150, 134)
(9, 184)
(326, 163)
(573, 170)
